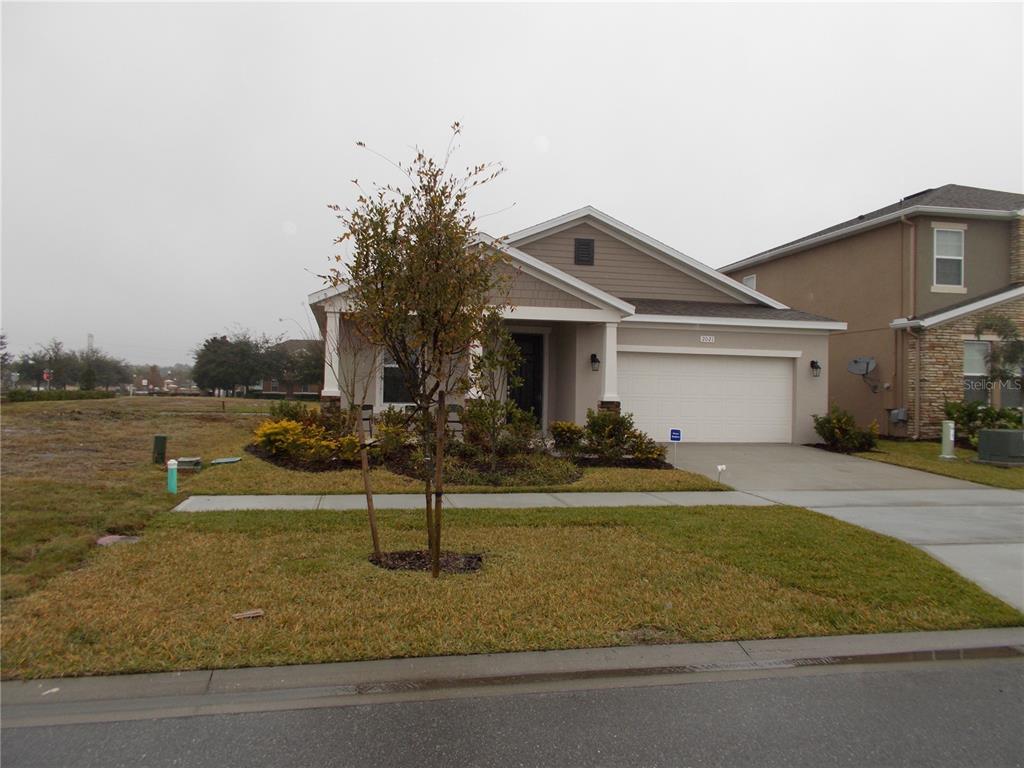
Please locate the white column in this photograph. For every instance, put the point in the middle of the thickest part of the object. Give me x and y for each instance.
(475, 350)
(610, 363)
(332, 332)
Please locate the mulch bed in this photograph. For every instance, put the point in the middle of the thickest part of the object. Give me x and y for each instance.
(419, 560)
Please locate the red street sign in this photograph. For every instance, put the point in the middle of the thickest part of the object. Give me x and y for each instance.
(46, 375)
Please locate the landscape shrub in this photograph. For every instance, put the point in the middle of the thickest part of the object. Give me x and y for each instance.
(305, 443)
(644, 449)
(391, 441)
(971, 417)
(607, 435)
(289, 409)
(567, 437)
(31, 396)
(839, 432)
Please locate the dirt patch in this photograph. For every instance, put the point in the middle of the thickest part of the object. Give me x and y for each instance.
(419, 560)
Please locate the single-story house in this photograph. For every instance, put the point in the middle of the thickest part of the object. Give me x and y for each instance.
(608, 317)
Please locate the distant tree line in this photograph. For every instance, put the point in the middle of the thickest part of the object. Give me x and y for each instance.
(243, 360)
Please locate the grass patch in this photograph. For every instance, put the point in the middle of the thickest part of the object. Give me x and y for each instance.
(552, 578)
(71, 472)
(925, 456)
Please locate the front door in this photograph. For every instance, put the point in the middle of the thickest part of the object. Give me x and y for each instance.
(529, 395)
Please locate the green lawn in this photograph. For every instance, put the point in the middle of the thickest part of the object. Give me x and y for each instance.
(925, 456)
(72, 471)
(555, 578)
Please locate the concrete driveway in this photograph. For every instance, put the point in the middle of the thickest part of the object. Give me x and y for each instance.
(763, 466)
(976, 530)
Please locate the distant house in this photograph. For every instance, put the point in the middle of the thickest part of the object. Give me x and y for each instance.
(293, 385)
(911, 280)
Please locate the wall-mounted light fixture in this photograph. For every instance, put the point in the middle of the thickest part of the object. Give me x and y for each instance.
(815, 368)
(595, 362)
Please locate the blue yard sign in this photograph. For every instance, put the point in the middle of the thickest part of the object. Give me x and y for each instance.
(675, 435)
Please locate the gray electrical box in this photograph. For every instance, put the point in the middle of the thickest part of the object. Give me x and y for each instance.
(1001, 446)
(897, 415)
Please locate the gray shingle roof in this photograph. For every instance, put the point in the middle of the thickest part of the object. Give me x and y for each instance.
(966, 302)
(947, 196)
(720, 309)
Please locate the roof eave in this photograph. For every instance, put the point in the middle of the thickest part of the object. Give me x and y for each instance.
(741, 322)
(953, 314)
(916, 210)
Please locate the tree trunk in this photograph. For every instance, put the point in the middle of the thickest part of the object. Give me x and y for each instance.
(429, 500)
(442, 415)
(364, 461)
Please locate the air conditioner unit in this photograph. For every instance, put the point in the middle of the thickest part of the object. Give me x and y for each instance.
(1001, 446)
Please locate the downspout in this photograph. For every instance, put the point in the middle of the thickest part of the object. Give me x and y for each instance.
(913, 313)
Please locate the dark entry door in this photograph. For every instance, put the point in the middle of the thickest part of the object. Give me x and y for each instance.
(529, 395)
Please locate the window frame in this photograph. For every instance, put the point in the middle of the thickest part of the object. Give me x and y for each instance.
(948, 287)
(381, 403)
(967, 376)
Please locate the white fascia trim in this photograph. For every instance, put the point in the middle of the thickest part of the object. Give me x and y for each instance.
(667, 253)
(326, 293)
(561, 314)
(739, 322)
(794, 353)
(915, 210)
(562, 280)
(953, 314)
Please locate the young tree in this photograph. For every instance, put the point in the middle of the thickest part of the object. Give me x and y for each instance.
(1006, 357)
(491, 375)
(419, 286)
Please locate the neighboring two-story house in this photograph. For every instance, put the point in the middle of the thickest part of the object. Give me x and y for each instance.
(911, 280)
(608, 317)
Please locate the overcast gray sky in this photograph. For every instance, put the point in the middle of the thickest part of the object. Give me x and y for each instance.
(166, 167)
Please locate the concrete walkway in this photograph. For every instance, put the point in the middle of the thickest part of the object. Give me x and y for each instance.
(261, 689)
(472, 501)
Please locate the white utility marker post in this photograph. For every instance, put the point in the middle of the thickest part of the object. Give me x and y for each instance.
(948, 436)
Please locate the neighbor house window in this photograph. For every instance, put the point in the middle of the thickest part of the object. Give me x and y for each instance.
(750, 281)
(949, 257)
(583, 251)
(273, 385)
(976, 387)
(395, 391)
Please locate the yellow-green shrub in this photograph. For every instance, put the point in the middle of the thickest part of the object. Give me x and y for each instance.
(305, 442)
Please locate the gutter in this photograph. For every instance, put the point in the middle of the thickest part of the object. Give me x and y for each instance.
(916, 210)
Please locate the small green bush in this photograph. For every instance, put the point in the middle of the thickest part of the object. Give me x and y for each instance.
(971, 417)
(567, 437)
(305, 442)
(289, 409)
(31, 396)
(607, 435)
(840, 432)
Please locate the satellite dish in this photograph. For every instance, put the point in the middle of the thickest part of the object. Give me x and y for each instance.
(861, 366)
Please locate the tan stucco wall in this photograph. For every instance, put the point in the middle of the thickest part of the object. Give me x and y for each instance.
(860, 280)
(986, 260)
(620, 269)
(810, 395)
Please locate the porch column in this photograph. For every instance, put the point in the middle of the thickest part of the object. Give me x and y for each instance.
(332, 332)
(610, 364)
(475, 350)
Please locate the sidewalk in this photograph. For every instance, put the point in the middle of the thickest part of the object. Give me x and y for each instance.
(180, 694)
(357, 501)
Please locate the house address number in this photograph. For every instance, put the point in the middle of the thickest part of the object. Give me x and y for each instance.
(707, 339)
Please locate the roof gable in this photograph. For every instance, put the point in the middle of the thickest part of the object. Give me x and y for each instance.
(679, 263)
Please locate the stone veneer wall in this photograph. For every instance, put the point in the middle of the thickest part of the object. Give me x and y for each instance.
(942, 364)
(1017, 250)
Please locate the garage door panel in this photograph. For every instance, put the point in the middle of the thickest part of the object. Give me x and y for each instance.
(712, 398)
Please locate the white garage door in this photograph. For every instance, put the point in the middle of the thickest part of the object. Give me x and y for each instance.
(712, 398)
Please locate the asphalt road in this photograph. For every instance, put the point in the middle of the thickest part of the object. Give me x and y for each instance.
(932, 713)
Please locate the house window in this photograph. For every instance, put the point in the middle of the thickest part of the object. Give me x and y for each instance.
(273, 385)
(395, 391)
(949, 258)
(750, 281)
(976, 387)
(583, 251)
